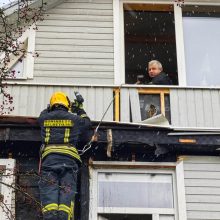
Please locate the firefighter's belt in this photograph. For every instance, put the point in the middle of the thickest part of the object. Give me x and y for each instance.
(61, 149)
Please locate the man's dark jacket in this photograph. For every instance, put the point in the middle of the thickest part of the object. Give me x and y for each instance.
(161, 79)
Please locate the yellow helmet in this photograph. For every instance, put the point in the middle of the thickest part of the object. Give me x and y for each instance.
(59, 98)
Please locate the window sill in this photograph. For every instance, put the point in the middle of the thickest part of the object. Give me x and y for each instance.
(168, 86)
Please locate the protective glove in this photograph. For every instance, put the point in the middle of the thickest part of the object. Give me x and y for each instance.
(77, 108)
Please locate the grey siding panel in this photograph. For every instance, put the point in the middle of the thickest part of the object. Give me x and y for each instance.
(81, 11)
(89, 30)
(79, 17)
(199, 109)
(62, 55)
(135, 105)
(203, 199)
(208, 113)
(202, 186)
(76, 23)
(174, 102)
(79, 51)
(76, 61)
(80, 5)
(190, 106)
(108, 103)
(75, 41)
(208, 207)
(203, 182)
(124, 105)
(195, 107)
(80, 42)
(215, 102)
(202, 175)
(97, 99)
(75, 36)
(70, 67)
(199, 160)
(203, 215)
(183, 108)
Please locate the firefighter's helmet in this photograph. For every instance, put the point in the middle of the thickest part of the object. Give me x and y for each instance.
(59, 98)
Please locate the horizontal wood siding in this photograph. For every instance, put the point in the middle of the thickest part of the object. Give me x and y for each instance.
(202, 182)
(30, 100)
(195, 107)
(75, 43)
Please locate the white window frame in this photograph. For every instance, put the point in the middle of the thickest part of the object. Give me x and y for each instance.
(8, 192)
(175, 169)
(29, 38)
(119, 48)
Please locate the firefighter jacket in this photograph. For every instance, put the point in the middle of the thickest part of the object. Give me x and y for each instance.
(61, 131)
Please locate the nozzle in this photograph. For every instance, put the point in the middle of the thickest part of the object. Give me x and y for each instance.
(79, 97)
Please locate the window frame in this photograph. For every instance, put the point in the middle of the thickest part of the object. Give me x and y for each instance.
(175, 169)
(28, 38)
(161, 92)
(119, 42)
(8, 193)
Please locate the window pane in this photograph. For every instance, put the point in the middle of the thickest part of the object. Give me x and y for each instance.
(149, 105)
(201, 41)
(149, 33)
(18, 69)
(135, 190)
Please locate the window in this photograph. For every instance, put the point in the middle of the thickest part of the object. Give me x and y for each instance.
(136, 193)
(154, 102)
(149, 34)
(201, 28)
(171, 33)
(21, 66)
(7, 202)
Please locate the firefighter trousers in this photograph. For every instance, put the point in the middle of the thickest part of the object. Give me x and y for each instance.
(58, 186)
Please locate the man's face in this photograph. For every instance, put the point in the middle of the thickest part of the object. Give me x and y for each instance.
(153, 70)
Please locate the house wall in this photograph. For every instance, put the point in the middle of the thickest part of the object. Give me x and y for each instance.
(75, 43)
(195, 107)
(30, 100)
(202, 185)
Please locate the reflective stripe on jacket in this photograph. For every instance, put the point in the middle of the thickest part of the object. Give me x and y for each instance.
(61, 149)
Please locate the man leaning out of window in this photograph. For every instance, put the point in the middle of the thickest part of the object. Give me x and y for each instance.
(156, 74)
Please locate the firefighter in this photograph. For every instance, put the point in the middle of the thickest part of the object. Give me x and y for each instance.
(60, 134)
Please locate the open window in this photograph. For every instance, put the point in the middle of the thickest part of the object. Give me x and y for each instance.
(137, 192)
(182, 36)
(7, 194)
(149, 34)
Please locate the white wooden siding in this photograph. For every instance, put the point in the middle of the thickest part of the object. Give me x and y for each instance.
(30, 100)
(195, 107)
(75, 43)
(202, 184)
